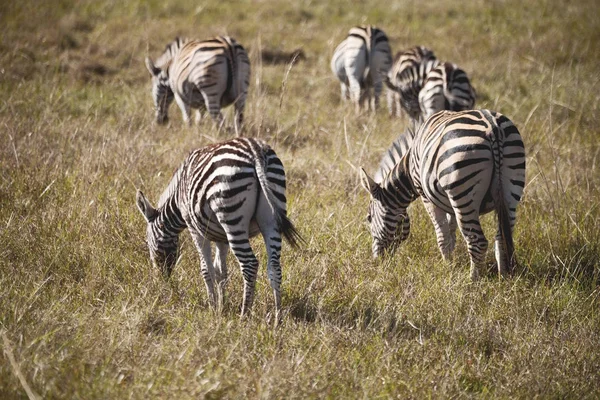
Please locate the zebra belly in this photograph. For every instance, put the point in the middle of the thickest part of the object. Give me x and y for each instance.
(192, 95)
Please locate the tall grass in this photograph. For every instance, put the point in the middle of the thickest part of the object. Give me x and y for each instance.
(84, 314)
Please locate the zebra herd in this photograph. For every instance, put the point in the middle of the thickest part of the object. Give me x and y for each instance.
(461, 162)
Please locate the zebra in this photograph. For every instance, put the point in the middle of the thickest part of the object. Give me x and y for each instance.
(207, 74)
(223, 193)
(359, 63)
(446, 87)
(406, 78)
(462, 165)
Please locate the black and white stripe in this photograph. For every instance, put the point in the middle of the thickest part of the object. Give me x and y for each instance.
(393, 154)
(446, 87)
(360, 63)
(390, 158)
(203, 75)
(406, 78)
(462, 165)
(224, 193)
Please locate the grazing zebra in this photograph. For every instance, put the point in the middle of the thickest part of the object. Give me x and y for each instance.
(446, 87)
(207, 74)
(359, 63)
(223, 193)
(406, 78)
(461, 164)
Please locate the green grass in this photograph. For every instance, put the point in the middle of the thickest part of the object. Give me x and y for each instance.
(86, 315)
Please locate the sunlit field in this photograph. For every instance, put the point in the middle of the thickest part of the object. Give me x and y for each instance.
(84, 314)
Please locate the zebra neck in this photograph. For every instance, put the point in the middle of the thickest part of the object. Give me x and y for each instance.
(398, 187)
(169, 222)
(169, 206)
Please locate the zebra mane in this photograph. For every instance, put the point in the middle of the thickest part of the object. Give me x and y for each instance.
(170, 52)
(171, 188)
(394, 154)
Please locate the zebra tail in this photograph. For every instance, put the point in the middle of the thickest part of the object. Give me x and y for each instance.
(284, 224)
(289, 231)
(501, 207)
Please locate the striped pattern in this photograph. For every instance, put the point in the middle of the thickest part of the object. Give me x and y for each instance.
(360, 62)
(462, 165)
(390, 158)
(406, 79)
(224, 193)
(203, 75)
(446, 87)
(393, 154)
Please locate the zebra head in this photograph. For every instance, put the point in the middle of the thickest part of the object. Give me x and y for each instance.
(161, 91)
(389, 225)
(163, 246)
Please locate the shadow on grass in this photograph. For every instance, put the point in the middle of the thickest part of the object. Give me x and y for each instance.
(361, 316)
(571, 261)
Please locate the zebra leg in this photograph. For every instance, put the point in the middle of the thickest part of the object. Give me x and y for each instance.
(185, 109)
(477, 244)
(345, 94)
(249, 266)
(272, 237)
(214, 109)
(390, 102)
(442, 231)
(377, 86)
(198, 117)
(206, 265)
(221, 270)
(355, 94)
(397, 104)
(239, 114)
(451, 218)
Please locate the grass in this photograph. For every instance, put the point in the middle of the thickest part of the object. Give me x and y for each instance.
(84, 313)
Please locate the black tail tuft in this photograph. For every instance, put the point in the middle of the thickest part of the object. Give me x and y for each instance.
(506, 232)
(289, 231)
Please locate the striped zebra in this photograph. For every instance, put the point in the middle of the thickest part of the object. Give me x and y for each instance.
(462, 165)
(446, 87)
(406, 78)
(223, 193)
(359, 63)
(204, 75)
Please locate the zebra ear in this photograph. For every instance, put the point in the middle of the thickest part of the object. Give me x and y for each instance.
(368, 183)
(145, 207)
(153, 69)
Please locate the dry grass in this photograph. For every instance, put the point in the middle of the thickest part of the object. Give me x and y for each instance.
(86, 316)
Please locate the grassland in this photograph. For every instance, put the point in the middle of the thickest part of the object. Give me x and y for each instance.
(84, 315)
